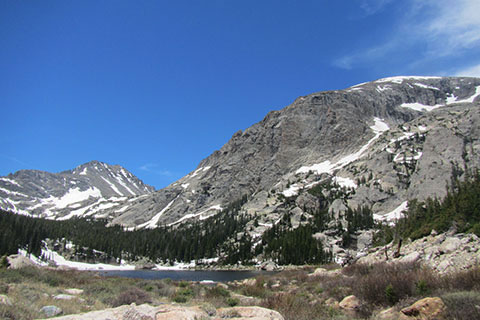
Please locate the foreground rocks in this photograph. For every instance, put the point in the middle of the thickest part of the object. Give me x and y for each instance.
(177, 312)
(17, 261)
(444, 253)
(425, 309)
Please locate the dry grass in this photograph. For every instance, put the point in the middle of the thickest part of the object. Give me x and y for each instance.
(295, 294)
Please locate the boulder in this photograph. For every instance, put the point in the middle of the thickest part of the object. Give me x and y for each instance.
(17, 261)
(390, 314)
(450, 244)
(319, 272)
(248, 313)
(177, 312)
(269, 266)
(125, 312)
(411, 257)
(246, 300)
(74, 291)
(64, 297)
(133, 314)
(427, 309)
(249, 282)
(350, 303)
(168, 312)
(51, 311)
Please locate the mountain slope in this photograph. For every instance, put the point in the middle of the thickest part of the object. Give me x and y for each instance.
(401, 134)
(384, 142)
(83, 191)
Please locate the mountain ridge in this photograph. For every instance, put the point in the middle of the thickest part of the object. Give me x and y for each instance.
(342, 118)
(55, 195)
(325, 128)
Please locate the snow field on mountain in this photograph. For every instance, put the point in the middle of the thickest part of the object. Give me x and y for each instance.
(72, 196)
(379, 127)
(393, 215)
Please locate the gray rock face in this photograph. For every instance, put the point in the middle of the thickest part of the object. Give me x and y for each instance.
(442, 252)
(78, 192)
(390, 140)
(414, 158)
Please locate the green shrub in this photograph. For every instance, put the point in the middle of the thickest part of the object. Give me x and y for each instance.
(180, 299)
(421, 288)
(232, 302)
(4, 262)
(216, 292)
(390, 294)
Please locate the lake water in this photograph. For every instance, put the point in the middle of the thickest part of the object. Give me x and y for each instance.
(187, 275)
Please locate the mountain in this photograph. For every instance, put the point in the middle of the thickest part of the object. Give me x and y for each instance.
(83, 191)
(388, 141)
(382, 143)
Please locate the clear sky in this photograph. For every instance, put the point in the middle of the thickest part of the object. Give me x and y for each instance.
(156, 86)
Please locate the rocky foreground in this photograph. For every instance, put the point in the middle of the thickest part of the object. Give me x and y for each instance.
(165, 312)
(444, 253)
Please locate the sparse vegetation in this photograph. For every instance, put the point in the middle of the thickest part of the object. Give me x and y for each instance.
(460, 209)
(295, 293)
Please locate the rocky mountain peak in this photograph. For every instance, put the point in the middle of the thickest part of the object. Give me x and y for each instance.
(85, 189)
(335, 127)
(385, 141)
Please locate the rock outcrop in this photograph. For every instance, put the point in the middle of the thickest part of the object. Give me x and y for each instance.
(443, 252)
(177, 312)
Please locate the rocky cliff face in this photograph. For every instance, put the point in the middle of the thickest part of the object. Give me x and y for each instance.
(389, 140)
(84, 191)
(385, 142)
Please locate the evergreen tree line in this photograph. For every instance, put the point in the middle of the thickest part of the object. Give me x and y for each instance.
(201, 239)
(287, 245)
(459, 209)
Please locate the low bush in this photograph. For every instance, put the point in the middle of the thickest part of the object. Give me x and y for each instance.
(299, 307)
(232, 302)
(215, 292)
(463, 305)
(132, 295)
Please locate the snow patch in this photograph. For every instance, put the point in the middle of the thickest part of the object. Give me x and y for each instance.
(393, 215)
(358, 85)
(61, 261)
(122, 209)
(291, 191)
(378, 128)
(421, 85)
(152, 223)
(345, 182)
(114, 188)
(72, 196)
(400, 79)
(123, 184)
(472, 98)
(11, 181)
(84, 172)
(319, 168)
(194, 215)
(185, 185)
(354, 89)
(13, 192)
(380, 89)
(420, 107)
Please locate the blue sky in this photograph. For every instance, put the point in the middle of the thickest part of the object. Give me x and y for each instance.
(156, 86)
